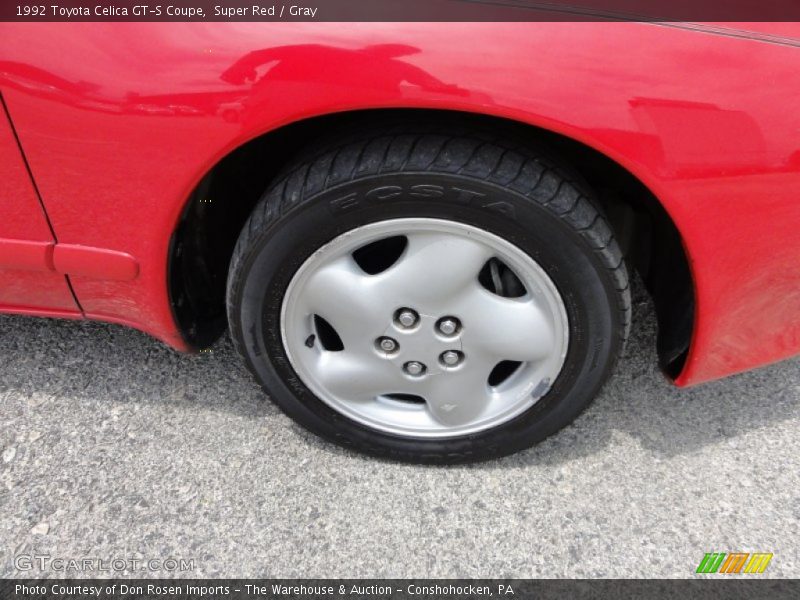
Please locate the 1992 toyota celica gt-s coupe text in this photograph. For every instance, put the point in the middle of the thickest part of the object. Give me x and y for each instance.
(421, 236)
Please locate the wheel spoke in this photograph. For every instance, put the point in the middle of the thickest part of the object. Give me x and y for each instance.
(435, 267)
(506, 328)
(349, 300)
(459, 397)
(356, 378)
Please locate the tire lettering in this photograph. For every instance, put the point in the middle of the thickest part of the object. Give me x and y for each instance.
(422, 190)
(255, 347)
(465, 196)
(345, 202)
(426, 190)
(598, 346)
(503, 208)
(385, 192)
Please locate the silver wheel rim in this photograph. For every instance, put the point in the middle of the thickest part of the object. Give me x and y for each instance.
(435, 381)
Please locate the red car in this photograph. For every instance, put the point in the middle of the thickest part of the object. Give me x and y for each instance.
(421, 236)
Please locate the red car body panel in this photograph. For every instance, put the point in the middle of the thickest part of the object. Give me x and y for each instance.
(27, 283)
(119, 122)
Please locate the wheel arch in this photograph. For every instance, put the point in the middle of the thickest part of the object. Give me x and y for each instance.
(202, 241)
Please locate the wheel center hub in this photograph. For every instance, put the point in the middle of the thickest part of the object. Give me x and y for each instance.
(422, 345)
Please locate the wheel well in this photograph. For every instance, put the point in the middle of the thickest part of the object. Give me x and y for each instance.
(203, 242)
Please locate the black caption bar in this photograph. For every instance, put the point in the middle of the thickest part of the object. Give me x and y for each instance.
(394, 589)
(399, 10)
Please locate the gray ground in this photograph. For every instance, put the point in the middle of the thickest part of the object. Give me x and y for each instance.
(113, 446)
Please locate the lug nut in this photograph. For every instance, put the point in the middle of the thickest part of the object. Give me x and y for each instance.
(386, 344)
(451, 358)
(414, 368)
(448, 325)
(407, 317)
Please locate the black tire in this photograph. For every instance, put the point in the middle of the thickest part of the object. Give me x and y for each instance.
(512, 191)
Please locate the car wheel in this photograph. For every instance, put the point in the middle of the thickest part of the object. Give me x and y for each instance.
(429, 298)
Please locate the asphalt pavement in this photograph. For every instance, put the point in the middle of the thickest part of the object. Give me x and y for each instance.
(115, 447)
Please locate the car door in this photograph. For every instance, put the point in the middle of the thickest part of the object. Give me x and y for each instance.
(28, 281)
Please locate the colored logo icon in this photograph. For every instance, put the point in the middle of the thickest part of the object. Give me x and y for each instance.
(734, 562)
